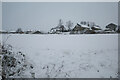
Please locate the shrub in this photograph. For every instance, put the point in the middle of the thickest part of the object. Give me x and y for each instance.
(15, 65)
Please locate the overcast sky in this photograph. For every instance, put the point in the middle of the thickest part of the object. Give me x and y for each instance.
(0, 15)
(45, 15)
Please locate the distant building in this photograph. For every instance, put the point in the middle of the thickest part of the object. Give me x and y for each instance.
(87, 23)
(37, 32)
(3, 32)
(12, 32)
(19, 30)
(28, 32)
(80, 29)
(58, 29)
(118, 30)
(96, 27)
(111, 27)
(62, 28)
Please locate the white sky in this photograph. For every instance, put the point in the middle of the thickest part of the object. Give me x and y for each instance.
(0, 15)
(43, 16)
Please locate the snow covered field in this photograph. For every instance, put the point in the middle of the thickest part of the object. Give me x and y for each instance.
(74, 56)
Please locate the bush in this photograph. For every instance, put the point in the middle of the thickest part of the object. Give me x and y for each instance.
(15, 65)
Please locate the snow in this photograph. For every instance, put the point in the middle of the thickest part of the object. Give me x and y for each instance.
(85, 26)
(97, 27)
(74, 56)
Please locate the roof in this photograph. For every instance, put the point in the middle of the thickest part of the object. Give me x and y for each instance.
(85, 26)
(111, 24)
(12, 31)
(97, 27)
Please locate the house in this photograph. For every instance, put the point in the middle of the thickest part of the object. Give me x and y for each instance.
(58, 29)
(3, 32)
(96, 27)
(118, 30)
(87, 23)
(28, 32)
(62, 28)
(19, 30)
(79, 28)
(12, 32)
(37, 32)
(111, 27)
(53, 30)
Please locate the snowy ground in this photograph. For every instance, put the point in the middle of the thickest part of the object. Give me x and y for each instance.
(74, 56)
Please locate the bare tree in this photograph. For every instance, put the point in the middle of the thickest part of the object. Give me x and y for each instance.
(69, 24)
(60, 23)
